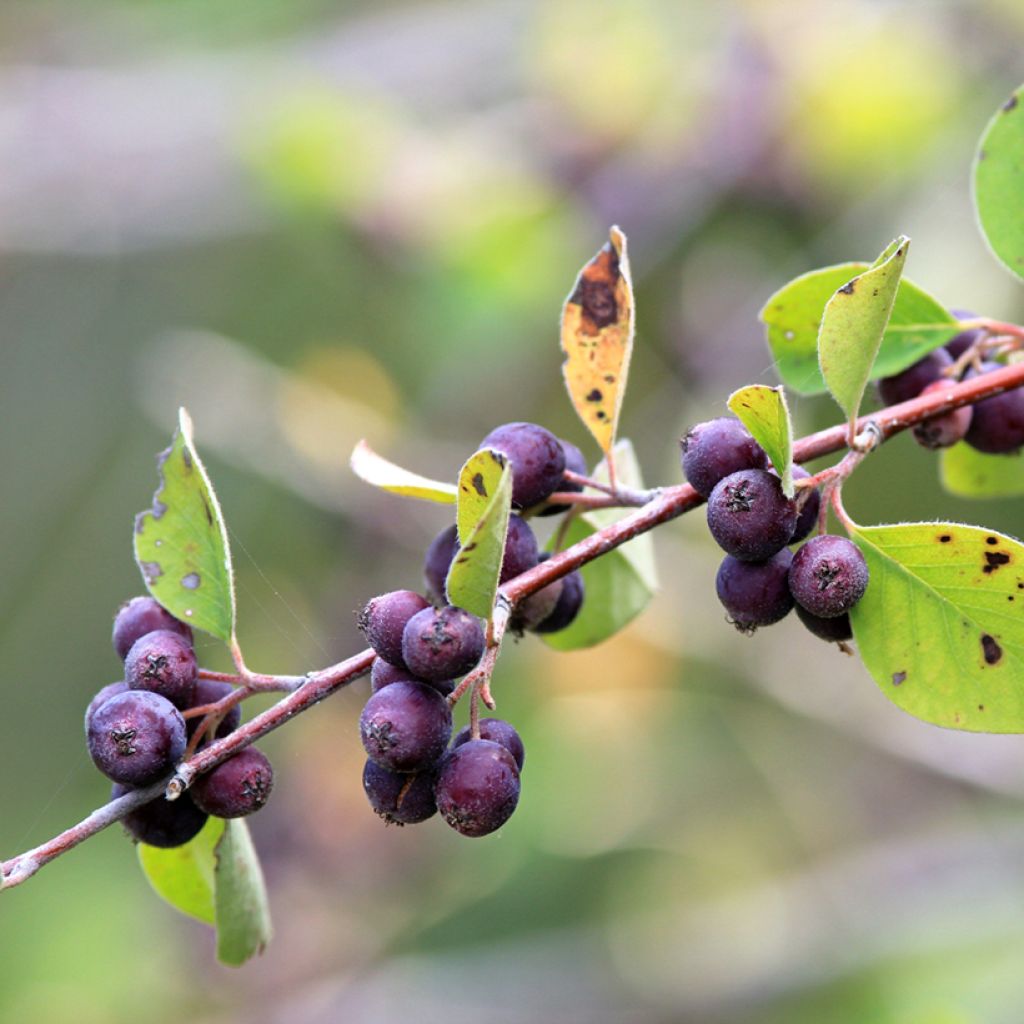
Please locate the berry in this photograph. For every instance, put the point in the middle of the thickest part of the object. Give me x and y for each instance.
(946, 430)
(142, 615)
(749, 516)
(569, 602)
(576, 463)
(807, 517)
(535, 609)
(901, 387)
(384, 618)
(828, 576)
(755, 593)
(834, 630)
(209, 691)
(477, 787)
(497, 731)
(136, 737)
(163, 662)
(958, 345)
(101, 698)
(437, 561)
(400, 799)
(237, 787)
(163, 823)
(716, 449)
(406, 726)
(997, 425)
(384, 674)
(442, 643)
(537, 459)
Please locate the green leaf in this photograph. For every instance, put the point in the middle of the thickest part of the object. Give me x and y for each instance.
(181, 545)
(619, 585)
(968, 473)
(853, 324)
(482, 511)
(765, 414)
(792, 319)
(378, 471)
(242, 912)
(941, 626)
(183, 876)
(999, 183)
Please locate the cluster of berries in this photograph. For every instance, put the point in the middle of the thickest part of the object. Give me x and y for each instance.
(424, 644)
(137, 734)
(761, 580)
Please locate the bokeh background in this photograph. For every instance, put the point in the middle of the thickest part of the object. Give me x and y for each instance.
(312, 222)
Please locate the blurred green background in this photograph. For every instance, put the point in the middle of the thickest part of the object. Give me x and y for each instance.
(311, 222)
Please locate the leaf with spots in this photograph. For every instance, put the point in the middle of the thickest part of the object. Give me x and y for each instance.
(378, 471)
(618, 585)
(481, 511)
(999, 181)
(941, 626)
(968, 473)
(853, 325)
(597, 339)
(792, 319)
(183, 876)
(764, 412)
(181, 544)
(240, 897)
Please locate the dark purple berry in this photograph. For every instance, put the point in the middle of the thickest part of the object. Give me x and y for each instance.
(406, 726)
(437, 561)
(142, 615)
(477, 787)
(909, 383)
(521, 552)
(136, 737)
(537, 459)
(749, 516)
(497, 731)
(574, 462)
(442, 643)
(400, 798)
(163, 823)
(828, 576)
(209, 691)
(835, 630)
(958, 345)
(384, 618)
(163, 662)
(807, 517)
(239, 786)
(101, 698)
(569, 602)
(755, 593)
(716, 449)
(535, 609)
(946, 430)
(997, 424)
(384, 674)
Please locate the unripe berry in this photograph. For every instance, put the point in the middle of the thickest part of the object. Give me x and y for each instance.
(142, 615)
(537, 459)
(237, 787)
(749, 516)
(997, 423)
(163, 662)
(909, 383)
(406, 726)
(946, 430)
(714, 450)
(161, 822)
(828, 576)
(497, 731)
(384, 618)
(477, 787)
(755, 593)
(400, 798)
(442, 643)
(136, 737)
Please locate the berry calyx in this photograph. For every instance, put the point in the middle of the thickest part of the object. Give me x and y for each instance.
(136, 737)
(442, 643)
(237, 787)
(163, 662)
(828, 576)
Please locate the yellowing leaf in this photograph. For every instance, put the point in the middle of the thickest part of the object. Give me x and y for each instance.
(240, 896)
(764, 412)
(378, 471)
(597, 339)
(966, 472)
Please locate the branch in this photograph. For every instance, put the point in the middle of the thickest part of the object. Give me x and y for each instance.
(667, 504)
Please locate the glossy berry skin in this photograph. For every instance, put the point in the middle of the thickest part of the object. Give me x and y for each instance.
(755, 593)
(163, 823)
(400, 799)
(569, 602)
(958, 345)
(946, 430)
(749, 516)
(384, 618)
(442, 643)
(163, 662)
(239, 786)
(834, 630)
(807, 517)
(437, 561)
(384, 674)
(142, 615)
(209, 691)
(477, 787)
(405, 727)
(136, 737)
(828, 576)
(714, 450)
(497, 731)
(575, 462)
(901, 387)
(537, 459)
(997, 423)
(101, 698)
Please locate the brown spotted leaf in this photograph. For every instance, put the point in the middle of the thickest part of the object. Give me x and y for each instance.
(597, 339)
(941, 626)
(181, 544)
